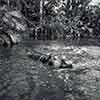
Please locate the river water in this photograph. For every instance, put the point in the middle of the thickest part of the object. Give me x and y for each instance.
(22, 78)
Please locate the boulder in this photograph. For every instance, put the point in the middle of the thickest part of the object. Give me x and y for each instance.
(33, 56)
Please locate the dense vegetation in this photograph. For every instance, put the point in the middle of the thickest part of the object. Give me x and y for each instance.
(51, 19)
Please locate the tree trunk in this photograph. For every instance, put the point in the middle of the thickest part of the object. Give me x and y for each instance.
(41, 17)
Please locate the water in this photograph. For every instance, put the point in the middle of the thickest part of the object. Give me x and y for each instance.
(22, 78)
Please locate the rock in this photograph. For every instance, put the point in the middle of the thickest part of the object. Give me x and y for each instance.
(29, 53)
(33, 56)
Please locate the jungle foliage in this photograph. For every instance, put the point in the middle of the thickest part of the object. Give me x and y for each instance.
(51, 18)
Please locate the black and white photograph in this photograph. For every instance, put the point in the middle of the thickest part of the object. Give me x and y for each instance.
(49, 49)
